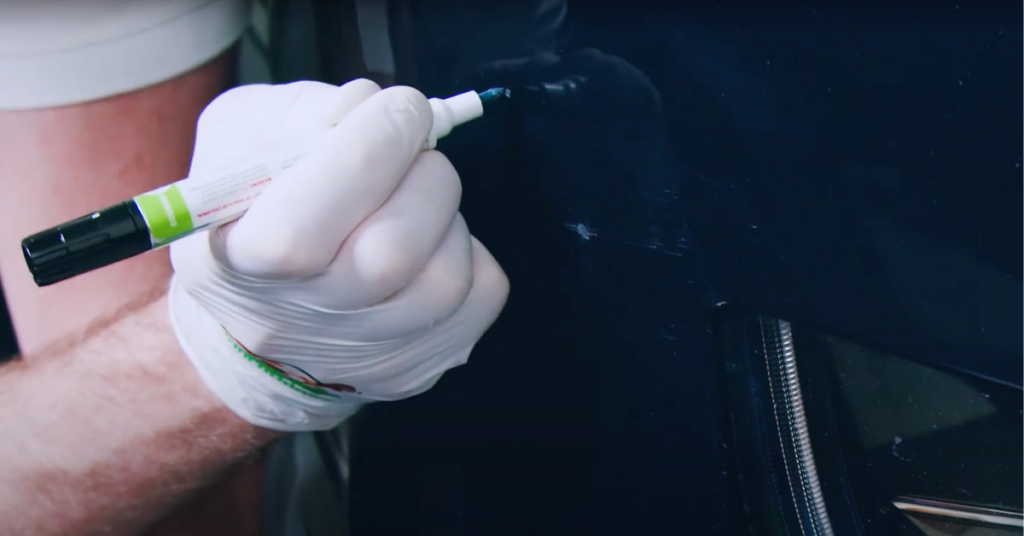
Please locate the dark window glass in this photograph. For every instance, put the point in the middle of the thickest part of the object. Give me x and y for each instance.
(885, 427)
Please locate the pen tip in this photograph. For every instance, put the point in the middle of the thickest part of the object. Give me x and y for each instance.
(495, 94)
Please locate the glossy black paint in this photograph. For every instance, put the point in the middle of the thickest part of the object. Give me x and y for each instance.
(856, 170)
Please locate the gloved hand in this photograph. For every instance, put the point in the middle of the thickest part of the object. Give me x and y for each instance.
(351, 279)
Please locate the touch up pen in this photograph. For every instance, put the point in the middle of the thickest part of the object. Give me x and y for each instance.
(158, 217)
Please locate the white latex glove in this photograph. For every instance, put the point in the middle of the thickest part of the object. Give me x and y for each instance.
(353, 277)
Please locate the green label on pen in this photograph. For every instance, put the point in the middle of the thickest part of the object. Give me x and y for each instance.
(166, 214)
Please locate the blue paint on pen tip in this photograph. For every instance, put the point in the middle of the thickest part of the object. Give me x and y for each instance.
(495, 94)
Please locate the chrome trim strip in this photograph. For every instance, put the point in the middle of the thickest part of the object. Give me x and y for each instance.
(962, 512)
(791, 423)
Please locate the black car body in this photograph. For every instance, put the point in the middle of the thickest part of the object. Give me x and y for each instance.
(678, 193)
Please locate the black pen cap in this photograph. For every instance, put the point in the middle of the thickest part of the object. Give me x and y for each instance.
(87, 243)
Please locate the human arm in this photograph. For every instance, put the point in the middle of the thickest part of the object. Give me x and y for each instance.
(456, 283)
(99, 104)
(353, 266)
(59, 163)
(83, 127)
(111, 431)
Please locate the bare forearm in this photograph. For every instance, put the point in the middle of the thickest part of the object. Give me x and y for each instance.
(112, 432)
(60, 163)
